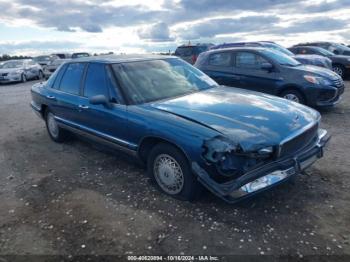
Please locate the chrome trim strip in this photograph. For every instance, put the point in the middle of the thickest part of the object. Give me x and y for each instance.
(99, 139)
(124, 143)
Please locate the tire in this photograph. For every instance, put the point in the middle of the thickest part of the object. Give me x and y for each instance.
(165, 159)
(40, 75)
(340, 70)
(56, 133)
(293, 95)
(23, 78)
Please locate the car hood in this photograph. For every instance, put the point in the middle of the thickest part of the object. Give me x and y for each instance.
(251, 119)
(311, 57)
(318, 71)
(9, 70)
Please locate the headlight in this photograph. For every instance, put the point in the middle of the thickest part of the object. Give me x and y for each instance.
(348, 59)
(317, 80)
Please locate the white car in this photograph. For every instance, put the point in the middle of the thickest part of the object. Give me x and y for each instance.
(20, 71)
(52, 66)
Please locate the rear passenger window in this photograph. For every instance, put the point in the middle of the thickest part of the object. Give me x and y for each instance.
(71, 80)
(95, 82)
(55, 79)
(220, 59)
(249, 60)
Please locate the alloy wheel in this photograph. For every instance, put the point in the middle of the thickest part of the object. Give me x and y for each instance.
(24, 78)
(338, 70)
(292, 97)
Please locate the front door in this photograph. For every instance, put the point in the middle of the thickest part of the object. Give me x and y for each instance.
(248, 66)
(105, 121)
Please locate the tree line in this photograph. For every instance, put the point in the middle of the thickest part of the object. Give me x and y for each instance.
(8, 57)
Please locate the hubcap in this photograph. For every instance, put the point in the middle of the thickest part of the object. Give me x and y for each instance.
(168, 174)
(52, 125)
(338, 70)
(291, 97)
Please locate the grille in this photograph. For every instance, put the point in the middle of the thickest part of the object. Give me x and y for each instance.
(4, 74)
(299, 142)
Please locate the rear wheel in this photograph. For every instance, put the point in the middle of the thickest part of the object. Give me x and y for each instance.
(169, 169)
(293, 95)
(339, 69)
(56, 133)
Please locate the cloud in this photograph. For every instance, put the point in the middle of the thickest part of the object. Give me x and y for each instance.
(214, 27)
(89, 16)
(325, 6)
(118, 24)
(44, 46)
(312, 25)
(156, 33)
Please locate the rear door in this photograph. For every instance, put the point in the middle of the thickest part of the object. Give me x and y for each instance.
(65, 93)
(247, 67)
(108, 122)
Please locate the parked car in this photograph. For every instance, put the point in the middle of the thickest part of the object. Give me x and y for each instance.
(20, 71)
(316, 60)
(181, 124)
(335, 48)
(63, 55)
(189, 53)
(80, 55)
(270, 71)
(341, 63)
(43, 60)
(52, 66)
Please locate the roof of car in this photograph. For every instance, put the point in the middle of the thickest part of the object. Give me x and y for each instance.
(240, 48)
(121, 58)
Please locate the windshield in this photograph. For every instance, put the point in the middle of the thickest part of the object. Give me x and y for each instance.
(279, 48)
(324, 51)
(281, 58)
(79, 55)
(153, 80)
(12, 64)
(335, 46)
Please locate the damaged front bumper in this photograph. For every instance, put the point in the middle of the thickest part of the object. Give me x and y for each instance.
(266, 176)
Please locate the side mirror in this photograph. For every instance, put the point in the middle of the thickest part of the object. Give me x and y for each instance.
(99, 100)
(266, 66)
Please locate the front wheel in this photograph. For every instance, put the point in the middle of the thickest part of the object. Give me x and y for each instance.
(24, 78)
(169, 169)
(293, 95)
(56, 133)
(40, 75)
(339, 70)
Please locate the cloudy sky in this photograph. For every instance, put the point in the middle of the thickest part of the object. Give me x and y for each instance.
(134, 26)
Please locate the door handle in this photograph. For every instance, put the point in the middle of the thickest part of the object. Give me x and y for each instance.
(51, 97)
(83, 107)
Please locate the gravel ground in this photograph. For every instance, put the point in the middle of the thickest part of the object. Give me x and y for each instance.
(77, 199)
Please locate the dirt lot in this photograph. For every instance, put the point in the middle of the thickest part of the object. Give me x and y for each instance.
(75, 199)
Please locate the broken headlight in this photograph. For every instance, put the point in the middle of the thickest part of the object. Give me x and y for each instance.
(230, 159)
